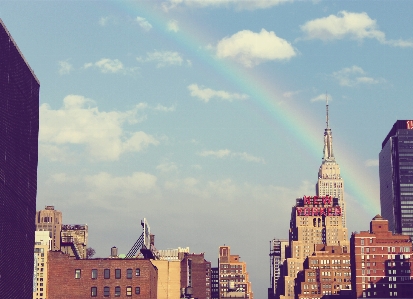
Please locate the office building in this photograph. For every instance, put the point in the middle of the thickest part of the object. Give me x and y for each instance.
(277, 258)
(196, 274)
(315, 220)
(329, 178)
(396, 177)
(326, 272)
(42, 245)
(381, 262)
(19, 129)
(233, 276)
(50, 220)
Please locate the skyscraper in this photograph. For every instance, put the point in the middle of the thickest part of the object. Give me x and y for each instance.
(329, 178)
(396, 177)
(316, 220)
(19, 127)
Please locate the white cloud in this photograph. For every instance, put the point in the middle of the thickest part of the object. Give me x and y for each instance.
(372, 162)
(205, 94)
(80, 123)
(162, 58)
(65, 67)
(138, 182)
(220, 154)
(321, 97)
(160, 107)
(355, 75)
(173, 26)
(256, 4)
(112, 66)
(250, 48)
(290, 94)
(357, 26)
(167, 167)
(109, 66)
(143, 23)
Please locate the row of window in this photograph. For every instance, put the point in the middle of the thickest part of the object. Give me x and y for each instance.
(106, 273)
(106, 291)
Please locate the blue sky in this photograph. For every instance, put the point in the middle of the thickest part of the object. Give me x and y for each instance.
(207, 117)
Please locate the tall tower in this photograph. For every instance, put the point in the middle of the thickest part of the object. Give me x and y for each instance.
(329, 178)
(50, 220)
(316, 220)
(396, 177)
(19, 129)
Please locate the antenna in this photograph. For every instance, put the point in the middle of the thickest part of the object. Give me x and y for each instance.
(327, 122)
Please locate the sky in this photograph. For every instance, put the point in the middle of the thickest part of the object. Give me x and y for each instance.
(206, 117)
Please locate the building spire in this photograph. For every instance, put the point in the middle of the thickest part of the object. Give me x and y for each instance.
(328, 155)
(327, 122)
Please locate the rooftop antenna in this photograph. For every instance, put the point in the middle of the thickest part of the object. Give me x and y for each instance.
(327, 122)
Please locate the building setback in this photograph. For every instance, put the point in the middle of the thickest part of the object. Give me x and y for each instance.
(396, 177)
(381, 262)
(69, 277)
(19, 127)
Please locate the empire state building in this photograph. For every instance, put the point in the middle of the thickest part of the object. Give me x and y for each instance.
(329, 178)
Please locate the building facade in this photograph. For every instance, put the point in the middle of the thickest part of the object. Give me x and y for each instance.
(19, 128)
(326, 272)
(381, 262)
(196, 273)
(396, 177)
(277, 258)
(50, 220)
(69, 277)
(42, 245)
(233, 276)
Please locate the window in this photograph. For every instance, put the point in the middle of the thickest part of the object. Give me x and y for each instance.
(94, 273)
(77, 273)
(93, 291)
(138, 272)
(106, 273)
(117, 273)
(106, 292)
(128, 291)
(137, 290)
(117, 291)
(129, 273)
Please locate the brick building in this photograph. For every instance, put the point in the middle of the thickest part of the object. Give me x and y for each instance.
(69, 277)
(196, 273)
(326, 272)
(381, 262)
(50, 220)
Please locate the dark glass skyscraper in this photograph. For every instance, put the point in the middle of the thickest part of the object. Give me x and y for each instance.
(396, 177)
(19, 127)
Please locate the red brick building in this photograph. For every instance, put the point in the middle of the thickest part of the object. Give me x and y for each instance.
(102, 277)
(196, 272)
(326, 272)
(381, 262)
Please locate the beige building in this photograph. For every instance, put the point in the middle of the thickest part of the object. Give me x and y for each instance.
(318, 219)
(42, 245)
(169, 278)
(50, 220)
(233, 276)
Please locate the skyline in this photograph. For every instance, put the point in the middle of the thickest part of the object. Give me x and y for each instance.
(166, 110)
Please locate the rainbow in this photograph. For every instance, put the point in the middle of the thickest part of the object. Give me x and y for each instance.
(262, 94)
